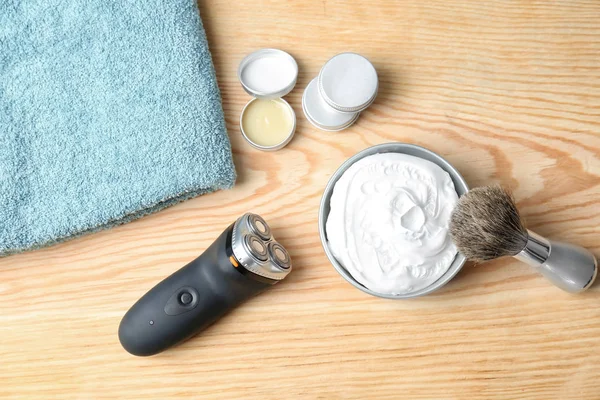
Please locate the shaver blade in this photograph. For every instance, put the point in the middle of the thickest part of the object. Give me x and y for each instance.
(279, 255)
(259, 226)
(255, 248)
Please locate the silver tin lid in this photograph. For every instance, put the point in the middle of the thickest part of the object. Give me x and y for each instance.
(274, 147)
(320, 114)
(264, 257)
(268, 73)
(348, 82)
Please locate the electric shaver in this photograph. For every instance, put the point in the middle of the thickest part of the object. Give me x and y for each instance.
(243, 261)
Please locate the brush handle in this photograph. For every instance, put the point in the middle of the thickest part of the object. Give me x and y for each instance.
(571, 268)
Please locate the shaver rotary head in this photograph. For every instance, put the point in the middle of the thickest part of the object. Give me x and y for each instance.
(255, 248)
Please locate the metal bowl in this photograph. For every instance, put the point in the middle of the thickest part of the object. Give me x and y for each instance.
(459, 184)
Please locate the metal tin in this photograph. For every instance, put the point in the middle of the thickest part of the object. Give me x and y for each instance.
(268, 74)
(459, 184)
(275, 70)
(277, 146)
(348, 82)
(320, 114)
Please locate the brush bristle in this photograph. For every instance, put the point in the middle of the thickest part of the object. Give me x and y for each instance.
(486, 224)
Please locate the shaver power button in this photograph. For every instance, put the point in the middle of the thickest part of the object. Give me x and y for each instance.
(185, 298)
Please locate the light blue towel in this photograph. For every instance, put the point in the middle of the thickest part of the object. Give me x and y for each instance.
(109, 110)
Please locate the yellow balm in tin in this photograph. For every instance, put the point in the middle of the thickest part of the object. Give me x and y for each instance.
(267, 123)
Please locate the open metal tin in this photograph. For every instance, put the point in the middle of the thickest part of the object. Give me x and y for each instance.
(268, 74)
(274, 147)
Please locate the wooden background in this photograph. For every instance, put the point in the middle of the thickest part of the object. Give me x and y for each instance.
(507, 91)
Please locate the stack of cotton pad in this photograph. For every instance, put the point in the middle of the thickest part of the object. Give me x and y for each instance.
(346, 85)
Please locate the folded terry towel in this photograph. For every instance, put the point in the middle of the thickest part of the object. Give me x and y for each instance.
(109, 110)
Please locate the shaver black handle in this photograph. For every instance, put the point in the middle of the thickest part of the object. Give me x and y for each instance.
(188, 301)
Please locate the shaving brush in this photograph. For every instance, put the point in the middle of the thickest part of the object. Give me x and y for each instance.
(486, 225)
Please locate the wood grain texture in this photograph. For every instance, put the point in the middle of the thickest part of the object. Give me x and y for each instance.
(507, 91)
